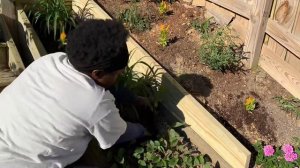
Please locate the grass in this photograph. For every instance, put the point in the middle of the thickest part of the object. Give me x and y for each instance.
(132, 18)
(289, 105)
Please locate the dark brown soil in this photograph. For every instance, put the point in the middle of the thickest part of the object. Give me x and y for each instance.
(223, 94)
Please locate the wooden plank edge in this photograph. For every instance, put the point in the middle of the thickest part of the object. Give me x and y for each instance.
(33, 42)
(235, 153)
(281, 71)
(14, 59)
(283, 37)
(237, 6)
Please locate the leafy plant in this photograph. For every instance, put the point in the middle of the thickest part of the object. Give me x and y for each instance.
(289, 105)
(163, 8)
(143, 84)
(250, 103)
(164, 35)
(55, 14)
(170, 151)
(203, 28)
(268, 156)
(134, 20)
(84, 13)
(219, 51)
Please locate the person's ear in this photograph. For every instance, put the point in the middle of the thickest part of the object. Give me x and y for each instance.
(97, 75)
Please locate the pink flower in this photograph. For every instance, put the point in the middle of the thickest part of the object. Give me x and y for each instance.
(290, 157)
(287, 148)
(268, 150)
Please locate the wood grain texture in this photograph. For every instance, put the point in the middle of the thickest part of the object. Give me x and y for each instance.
(237, 6)
(9, 11)
(13, 57)
(286, 20)
(277, 48)
(296, 28)
(256, 29)
(182, 105)
(31, 38)
(281, 71)
(221, 15)
(239, 25)
(282, 36)
(293, 61)
(198, 2)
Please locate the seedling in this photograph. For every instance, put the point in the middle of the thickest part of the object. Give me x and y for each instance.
(203, 28)
(250, 103)
(164, 35)
(289, 105)
(133, 19)
(163, 8)
(84, 13)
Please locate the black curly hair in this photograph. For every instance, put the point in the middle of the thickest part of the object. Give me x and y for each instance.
(98, 45)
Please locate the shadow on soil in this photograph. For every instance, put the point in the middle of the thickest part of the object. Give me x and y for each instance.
(195, 84)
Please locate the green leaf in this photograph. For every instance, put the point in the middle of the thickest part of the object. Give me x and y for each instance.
(173, 162)
(142, 162)
(139, 150)
(196, 162)
(179, 124)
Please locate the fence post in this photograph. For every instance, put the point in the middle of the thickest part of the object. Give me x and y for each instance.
(256, 29)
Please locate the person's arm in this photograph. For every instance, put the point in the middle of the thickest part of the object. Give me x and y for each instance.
(112, 128)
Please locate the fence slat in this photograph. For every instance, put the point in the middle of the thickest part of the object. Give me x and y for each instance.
(281, 71)
(240, 7)
(256, 29)
(282, 36)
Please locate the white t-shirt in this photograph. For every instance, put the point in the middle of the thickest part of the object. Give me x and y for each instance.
(49, 114)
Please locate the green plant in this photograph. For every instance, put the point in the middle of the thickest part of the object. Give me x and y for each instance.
(250, 103)
(219, 51)
(289, 104)
(163, 8)
(203, 28)
(55, 14)
(133, 19)
(84, 13)
(170, 151)
(270, 157)
(145, 84)
(163, 35)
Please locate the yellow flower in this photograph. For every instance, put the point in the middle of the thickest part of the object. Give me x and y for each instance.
(63, 37)
(163, 27)
(250, 100)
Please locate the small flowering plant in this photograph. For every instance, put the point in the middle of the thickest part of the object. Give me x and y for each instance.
(164, 35)
(250, 103)
(163, 8)
(63, 38)
(286, 156)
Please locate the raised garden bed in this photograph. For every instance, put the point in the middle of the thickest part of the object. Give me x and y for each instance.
(204, 131)
(11, 64)
(222, 93)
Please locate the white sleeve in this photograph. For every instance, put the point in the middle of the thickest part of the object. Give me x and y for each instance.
(109, 129)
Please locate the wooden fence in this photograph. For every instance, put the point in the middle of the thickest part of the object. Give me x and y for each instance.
(270, 30)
